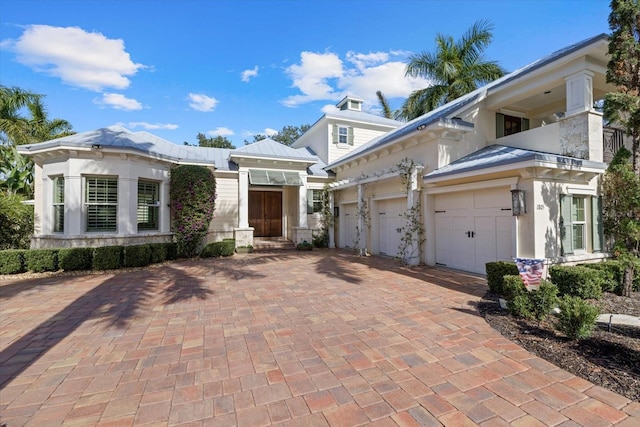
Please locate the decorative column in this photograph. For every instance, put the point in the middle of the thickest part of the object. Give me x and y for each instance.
(331, 225)
(362, 231)
(413, 203)
(579, 88)
(243, 235)
(302, 233)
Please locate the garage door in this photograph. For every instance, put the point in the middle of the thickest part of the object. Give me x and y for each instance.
(390, 223)
(473, 229)
(349, 233)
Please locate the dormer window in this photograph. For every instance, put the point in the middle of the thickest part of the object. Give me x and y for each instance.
(350, 103)
(342, 134)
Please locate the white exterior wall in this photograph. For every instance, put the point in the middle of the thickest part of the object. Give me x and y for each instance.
(225, 215)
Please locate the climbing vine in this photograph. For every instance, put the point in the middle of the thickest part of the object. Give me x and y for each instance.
(412, 232)
(365, 214)
(327, 220)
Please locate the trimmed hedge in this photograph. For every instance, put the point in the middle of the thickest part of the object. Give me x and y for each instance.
(157, 252)
(40, 260)
(496, 272)
(577, 281)
(12, 261)
(219, 249)
(108, 257)
(172, 250)
(72, 259)
(577, 317)
(136, 256)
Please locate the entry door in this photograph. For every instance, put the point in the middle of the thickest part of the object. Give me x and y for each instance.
(265, 213)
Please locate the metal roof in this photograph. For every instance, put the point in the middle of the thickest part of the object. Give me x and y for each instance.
(454, 106)
(500, 155)
(270, 148)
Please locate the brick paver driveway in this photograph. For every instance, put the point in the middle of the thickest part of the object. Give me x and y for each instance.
(313, 338)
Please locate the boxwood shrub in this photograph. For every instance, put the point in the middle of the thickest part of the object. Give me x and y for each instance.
(136, 256)
(172, 250)
(107, 257)
(70, 259)
(219, 249)
(496, 272)
(40, 260)
(577, 317)
(577, 281)
(12, 261)
(157, 252)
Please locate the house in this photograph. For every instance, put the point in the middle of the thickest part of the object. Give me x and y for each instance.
(111, 186)
(509, 170)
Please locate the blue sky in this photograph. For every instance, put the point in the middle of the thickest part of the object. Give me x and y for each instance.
(239, 68)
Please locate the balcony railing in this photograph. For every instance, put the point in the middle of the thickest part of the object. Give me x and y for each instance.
(613, 140)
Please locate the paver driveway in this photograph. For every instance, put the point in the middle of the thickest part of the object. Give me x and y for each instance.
(312, 338)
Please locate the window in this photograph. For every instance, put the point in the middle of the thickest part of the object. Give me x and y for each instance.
(314, 201)
(508, 125)
(148, 205)
(58, 204)
(342, 134)
(101, 202)
(581, 218)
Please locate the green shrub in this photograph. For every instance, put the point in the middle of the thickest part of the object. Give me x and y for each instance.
(12, 261)
(172, 250)
(576, 318)
(320, 238)
(192, 193)
(16, 222)
(136, 256)
(157, 252)
(304, 246)
(39, 260)
(70, 259)
(495, 273)
(543, 299)
(107, 257)
(512, 286)
(578, 281)
(219, 249)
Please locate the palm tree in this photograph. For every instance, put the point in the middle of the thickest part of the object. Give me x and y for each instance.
(455, 69)
(15, 129)
(387, 112)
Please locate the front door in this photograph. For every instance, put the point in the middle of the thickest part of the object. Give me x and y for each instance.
(265, 213)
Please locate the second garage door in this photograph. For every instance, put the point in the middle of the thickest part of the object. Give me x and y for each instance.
(473, 228)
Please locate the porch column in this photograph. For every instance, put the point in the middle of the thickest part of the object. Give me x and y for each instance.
(243, 199)
(302, 202)
(331, 226)
(362, 232)
(430, 229)
(412, 203)
(579, 88)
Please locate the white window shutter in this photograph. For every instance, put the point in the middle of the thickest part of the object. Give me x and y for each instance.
(596, 224)
(334, 134)
(350, 135)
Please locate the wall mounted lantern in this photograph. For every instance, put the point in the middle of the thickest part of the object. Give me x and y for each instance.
(517, 203)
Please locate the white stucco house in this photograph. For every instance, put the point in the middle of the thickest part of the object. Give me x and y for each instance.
(509, 170)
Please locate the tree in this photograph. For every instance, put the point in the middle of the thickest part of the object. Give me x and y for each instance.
(623, 70)
(287, 135)
(386, 108)
(455, 69)
(17, 129)
(620, 189)
(218, 141)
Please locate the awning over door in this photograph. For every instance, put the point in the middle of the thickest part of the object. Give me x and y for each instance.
(272, 177)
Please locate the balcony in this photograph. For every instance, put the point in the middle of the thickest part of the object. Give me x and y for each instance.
(613, 140)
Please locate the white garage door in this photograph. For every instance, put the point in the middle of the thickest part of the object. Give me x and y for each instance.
(390, 223)
(349, 233)
(473, 228)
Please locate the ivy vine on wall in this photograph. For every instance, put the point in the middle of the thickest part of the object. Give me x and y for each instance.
(412, 232)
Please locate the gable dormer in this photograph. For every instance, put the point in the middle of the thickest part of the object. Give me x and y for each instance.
(350, 103)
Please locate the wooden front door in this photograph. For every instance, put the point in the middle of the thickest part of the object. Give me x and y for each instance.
(265, 213)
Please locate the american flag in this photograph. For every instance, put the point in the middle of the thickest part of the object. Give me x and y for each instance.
(531, 271)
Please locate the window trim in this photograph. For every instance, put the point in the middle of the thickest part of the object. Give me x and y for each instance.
(58, 204)
(107, 204)
(312, 201)
(150, 207)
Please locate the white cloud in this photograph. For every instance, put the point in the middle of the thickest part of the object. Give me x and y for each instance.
(248, 74)
(326, 77)
(152, 126)
(79, 58)
(329, 108)
(270, 132)
(118, 101)
(201, 102)
(221, 131)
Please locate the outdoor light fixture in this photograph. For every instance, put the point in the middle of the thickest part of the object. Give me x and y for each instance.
(422, 126)
(517, 203)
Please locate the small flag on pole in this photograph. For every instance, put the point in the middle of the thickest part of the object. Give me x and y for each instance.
(531, 271)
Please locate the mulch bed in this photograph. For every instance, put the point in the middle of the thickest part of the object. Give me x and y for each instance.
(610, 359)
